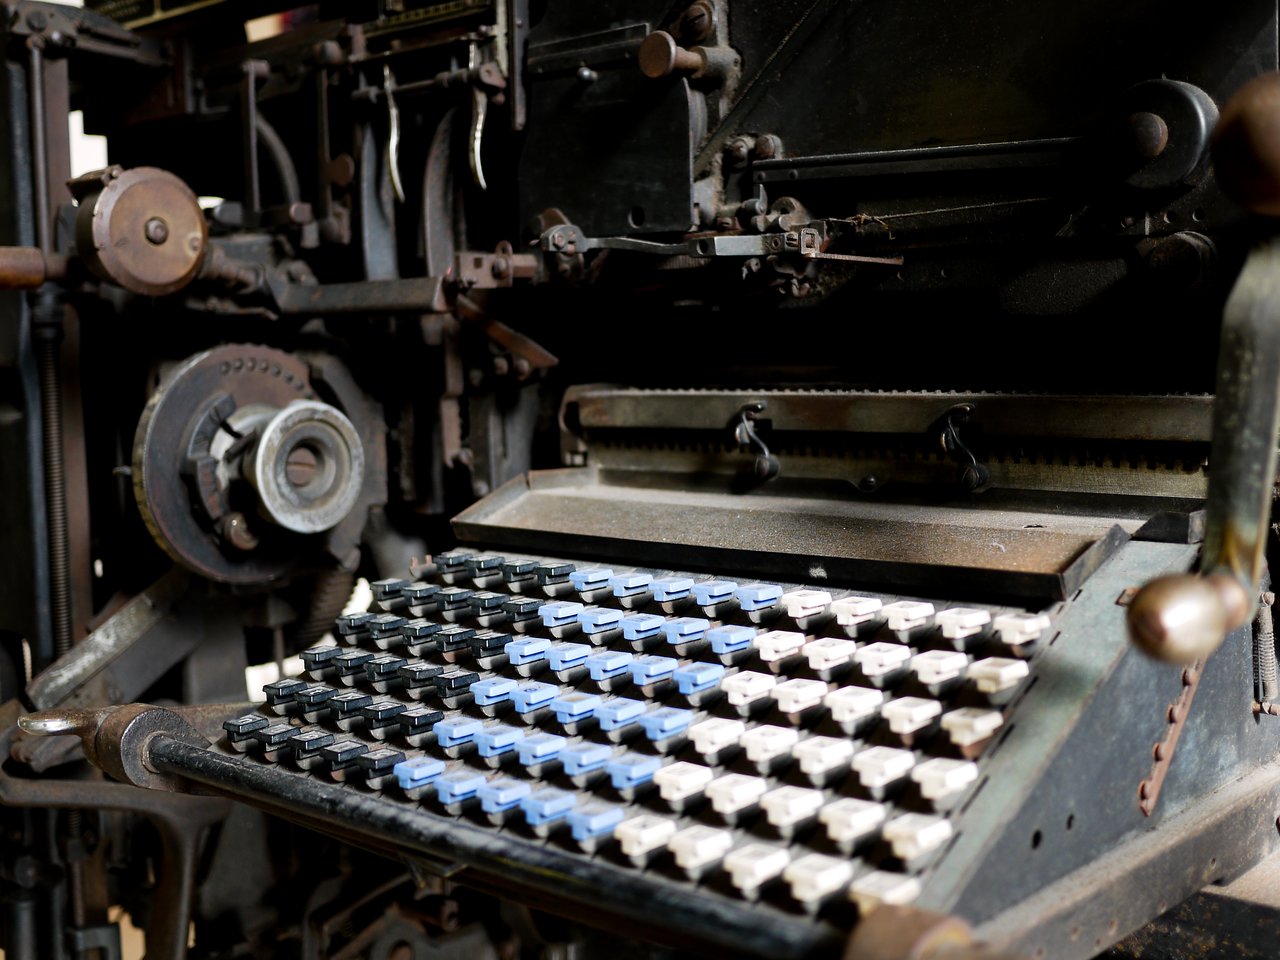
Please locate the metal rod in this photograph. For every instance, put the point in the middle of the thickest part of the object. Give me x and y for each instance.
(39, 147)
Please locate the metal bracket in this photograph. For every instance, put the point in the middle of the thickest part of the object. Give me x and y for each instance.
(1162, 752)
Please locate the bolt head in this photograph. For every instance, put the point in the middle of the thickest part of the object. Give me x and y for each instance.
(157, 231)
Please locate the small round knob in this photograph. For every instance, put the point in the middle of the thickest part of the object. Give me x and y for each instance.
(661, 56)
(1183, 618)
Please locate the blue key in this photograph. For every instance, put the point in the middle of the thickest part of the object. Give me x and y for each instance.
(709, 592)
(630, 584)
(454, 731)
(696, 677)
(502, 794)
(730, 639)
(496, 740)
(493, 690)
(619, 712)
(591, 579)
(459, 786)
(599, 619)
(757, 596)
(672, 588)
(685, 629)
(585, 758)
(641, 626)
(608, 664)
(575, 706)
(540, 748)
(651, 669)
(417, 772)
(532, 695)
(559, 613)
(666, 722)
(563, 656)
(594, 819)
(632, 769)
(520, 652)
(547, 804)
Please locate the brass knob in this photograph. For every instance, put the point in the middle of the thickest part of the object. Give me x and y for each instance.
(1184, 618)
(661, 56)
(1246, 146)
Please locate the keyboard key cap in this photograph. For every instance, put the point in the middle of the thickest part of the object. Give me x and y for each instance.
(715, 734)
(958, 623)
(699, 846)
(827, 653)
(746, 687)
(682, 780)
(594, 820)
(914, 834)
(910, 714)
(788, 806)
(630, 770)
(814, 877)
(882, 887)
(751, 866)
(968, 726)
(998, 674)
(878, 767)
(735, 792)
(644, 834)
(907, 615)
(796, 696)
(942, 777)
(850, 820)
(774, 645)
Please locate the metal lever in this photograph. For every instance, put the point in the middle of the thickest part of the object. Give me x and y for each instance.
(1185, 617)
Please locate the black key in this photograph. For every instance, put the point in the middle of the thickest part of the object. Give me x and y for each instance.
(483, 601)
(417, 720)
(383, 668)
(422, 594)
(452, 561)
(379, 761)
(307, 743)
(454, 638)
(488, 642)
(454, 682)
(388, 589)
(281, 691)
(386, 625)
(243, 728)
(482, 563)
(417, 675)
(454, 598)
(382, 713)
(352, 661)
(318, 658)
(275, 735)
(350, 624)
(552, 572)
(343, 754)
(314, 695)
(350, 703)
(520, 609)
(518, 571)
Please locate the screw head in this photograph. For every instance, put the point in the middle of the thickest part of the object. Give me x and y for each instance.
(157, 231)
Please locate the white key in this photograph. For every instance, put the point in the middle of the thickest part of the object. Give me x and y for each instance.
(714, 734)
(795, 696)
(912, 834)
(879, 658)
(642, 834)
(908, 614)
(818, 755)
(775, 645)
(850, 704)
(755, 864)
(735, 791)
(850, 819)
(805, 603)
(815, 877)
(699, 846)
(747, 686)
(827, 652)
(1015, 629)
(960, 622)
(879, 886)
(996, 674)
(941, 777)
(909, 714)
(768, 741)
(682, 780)
(970, 725)
(881, 766)
(938, 666)
(787, 806)
(851, 611)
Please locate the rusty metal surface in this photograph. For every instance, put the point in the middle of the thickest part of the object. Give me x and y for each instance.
(1162, 752)
(101, 648)
(1172, 418)
(1025, 554)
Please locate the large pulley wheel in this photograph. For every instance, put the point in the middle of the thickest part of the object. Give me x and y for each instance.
(239, 469)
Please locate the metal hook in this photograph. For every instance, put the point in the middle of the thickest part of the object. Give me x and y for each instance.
(766, 466)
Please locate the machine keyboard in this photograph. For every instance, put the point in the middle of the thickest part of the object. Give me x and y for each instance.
(811, 748)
